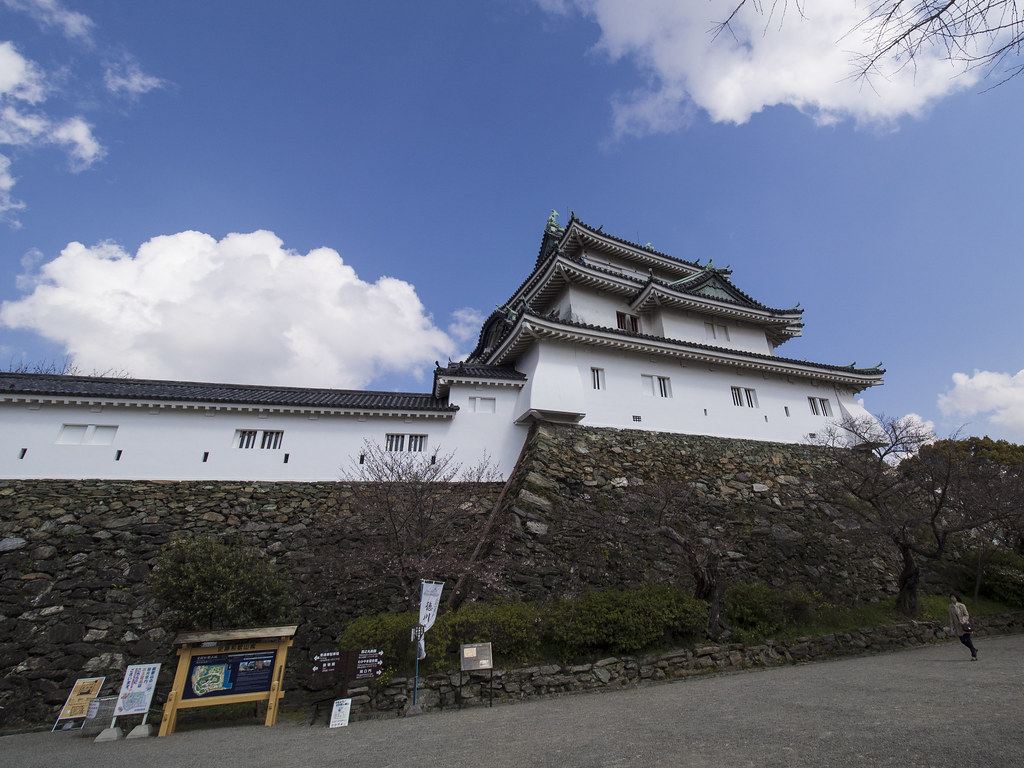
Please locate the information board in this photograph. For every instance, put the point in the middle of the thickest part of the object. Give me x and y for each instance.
(476, 656)
(84, 691)
(224, 674)
(229, 666)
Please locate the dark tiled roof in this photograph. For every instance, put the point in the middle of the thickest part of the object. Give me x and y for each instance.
(479, 371)
(50, 385)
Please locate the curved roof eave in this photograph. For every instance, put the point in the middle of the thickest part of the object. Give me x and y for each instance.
(530, 328)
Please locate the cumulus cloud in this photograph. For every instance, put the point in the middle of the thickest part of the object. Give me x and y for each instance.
(804, 59)
(997, 398)
(25, 125)
(50, 13)
(241, 309)
(465, 324)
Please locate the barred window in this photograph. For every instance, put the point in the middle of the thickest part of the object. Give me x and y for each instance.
(246, 438)
(268, 439)
(410, 443)
(820, 406)
(742, 396)
(272, 440)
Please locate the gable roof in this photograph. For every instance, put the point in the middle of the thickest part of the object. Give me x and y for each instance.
(57, 388)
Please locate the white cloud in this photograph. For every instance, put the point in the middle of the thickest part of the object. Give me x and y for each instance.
(242, 309)
(8, 203)
(50, 13)
(24, 124)
(998, 398)
(465, 324)
(804, 59)
(19, 78)
(126, 77)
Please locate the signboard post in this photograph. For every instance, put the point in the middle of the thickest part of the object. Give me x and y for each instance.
(77, 706)
(367, 664)
(228, 667)
(476, 656)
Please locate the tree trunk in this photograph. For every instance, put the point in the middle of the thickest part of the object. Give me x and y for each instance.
(709, 589)
(910, 577)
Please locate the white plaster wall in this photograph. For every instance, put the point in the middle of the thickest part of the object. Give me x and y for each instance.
(553, 379)
(477, 431)
(701, 401)
(594, 309)
(168, 444)
(689, 326)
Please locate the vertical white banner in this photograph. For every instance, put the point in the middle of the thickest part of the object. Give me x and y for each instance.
(430, 596)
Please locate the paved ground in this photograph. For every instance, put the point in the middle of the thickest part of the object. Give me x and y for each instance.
(925, 707)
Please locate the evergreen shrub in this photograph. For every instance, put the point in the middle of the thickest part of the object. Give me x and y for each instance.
(754, 609)
(205, 583)
(625, 621)
(1003, 580)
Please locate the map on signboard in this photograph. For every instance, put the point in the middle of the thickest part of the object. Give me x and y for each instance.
(210, 678)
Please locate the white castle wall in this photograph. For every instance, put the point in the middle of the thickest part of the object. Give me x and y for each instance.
(701, 400)
(171, 443)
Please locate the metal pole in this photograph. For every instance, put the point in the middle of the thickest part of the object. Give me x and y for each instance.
(416, 679)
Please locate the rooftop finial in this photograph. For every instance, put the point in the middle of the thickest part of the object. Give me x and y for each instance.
(553, 223)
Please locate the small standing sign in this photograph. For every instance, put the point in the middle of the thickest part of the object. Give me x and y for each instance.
(77, 706)
(340, 713)
(474, 657)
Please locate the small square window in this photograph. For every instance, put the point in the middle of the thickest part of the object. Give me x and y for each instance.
(597, 378)
(627, 322)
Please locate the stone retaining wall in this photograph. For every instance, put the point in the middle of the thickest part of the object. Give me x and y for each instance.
(442, 691)
(75, 555)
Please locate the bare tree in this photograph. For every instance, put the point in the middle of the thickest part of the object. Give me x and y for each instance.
(976, 33)
(415, 520)
(66, 366)
(669, 507)
(908, 488)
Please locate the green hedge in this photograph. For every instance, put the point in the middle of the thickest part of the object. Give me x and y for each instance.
(613, 621)
(625, 621)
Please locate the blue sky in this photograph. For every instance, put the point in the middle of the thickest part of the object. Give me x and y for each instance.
(336, 194)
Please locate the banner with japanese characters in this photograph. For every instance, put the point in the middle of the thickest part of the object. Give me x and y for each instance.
(430, 596)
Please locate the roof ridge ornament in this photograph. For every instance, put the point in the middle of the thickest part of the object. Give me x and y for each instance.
(553, 226)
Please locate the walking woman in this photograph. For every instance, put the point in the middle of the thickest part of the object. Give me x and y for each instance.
(960, 624)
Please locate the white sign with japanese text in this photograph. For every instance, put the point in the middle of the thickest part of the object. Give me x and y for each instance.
(137, 689)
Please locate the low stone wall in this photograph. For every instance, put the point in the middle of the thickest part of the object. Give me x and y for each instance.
(442, 691)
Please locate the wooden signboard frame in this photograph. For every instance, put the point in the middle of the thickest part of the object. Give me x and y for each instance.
(229, 650)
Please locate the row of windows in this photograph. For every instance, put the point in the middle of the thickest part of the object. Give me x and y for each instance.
(265, 439)
(268, 439)
(411, 443)
(743, 397)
